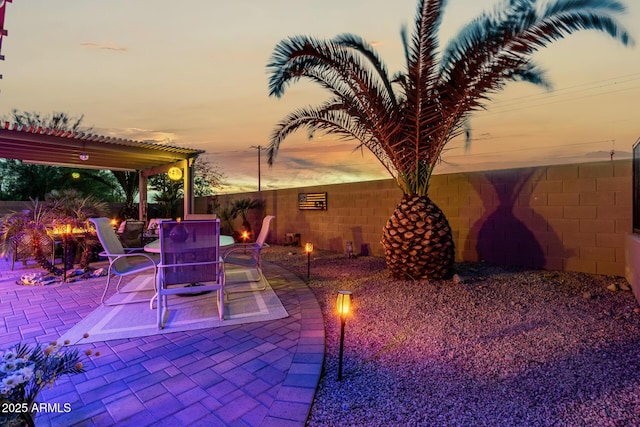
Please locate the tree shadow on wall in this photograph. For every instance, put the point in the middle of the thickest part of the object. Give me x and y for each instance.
(504, 235)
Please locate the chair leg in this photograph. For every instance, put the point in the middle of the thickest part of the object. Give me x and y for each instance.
(160, 312)
(221, 299)
(260, 277)
(153, 298)
(104, 293)
(106, 288)
(163, 310)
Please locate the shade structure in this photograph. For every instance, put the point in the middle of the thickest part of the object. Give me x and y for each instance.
(64, 148)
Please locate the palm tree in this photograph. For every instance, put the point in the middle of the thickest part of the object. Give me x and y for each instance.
(226, 216)
(71, 211)
(32, 226)
(407, 121)
(242, 207)
(129, 181)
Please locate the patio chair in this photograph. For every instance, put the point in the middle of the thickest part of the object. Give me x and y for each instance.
(248, 254)
(122, 261)
(190, 263)
(131, 235)
(153, 230)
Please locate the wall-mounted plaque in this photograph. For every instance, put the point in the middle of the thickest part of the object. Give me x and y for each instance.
(312, 201)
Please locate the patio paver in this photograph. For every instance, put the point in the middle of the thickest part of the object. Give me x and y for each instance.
(258, 374)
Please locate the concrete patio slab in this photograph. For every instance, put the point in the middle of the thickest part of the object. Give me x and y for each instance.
(258, 374)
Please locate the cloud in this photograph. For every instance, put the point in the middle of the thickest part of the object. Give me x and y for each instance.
(137, 134)
(107, 46)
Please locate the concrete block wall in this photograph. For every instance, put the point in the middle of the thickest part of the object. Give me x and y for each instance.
(356, 212)
(565, 217)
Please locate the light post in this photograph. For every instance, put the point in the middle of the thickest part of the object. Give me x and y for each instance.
(259, 148)
(308, 248)
(343, 306)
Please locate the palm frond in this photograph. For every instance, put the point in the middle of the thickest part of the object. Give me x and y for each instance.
(406, 121)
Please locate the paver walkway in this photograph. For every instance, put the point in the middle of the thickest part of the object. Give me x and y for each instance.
(258, 374)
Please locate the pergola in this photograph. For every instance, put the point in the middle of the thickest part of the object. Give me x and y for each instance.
(88, 151)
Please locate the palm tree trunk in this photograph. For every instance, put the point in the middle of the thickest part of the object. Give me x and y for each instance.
(41, 259)
(417, 240)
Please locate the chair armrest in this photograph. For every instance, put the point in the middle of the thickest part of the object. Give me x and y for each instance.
(242, 247)
(115, 257)
(128, 250)
(245, 245)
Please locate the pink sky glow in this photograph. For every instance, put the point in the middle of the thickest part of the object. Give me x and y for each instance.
(193, 74)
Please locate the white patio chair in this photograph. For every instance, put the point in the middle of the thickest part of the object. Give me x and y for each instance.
(122, 261)
(248, 254)
(190, 262)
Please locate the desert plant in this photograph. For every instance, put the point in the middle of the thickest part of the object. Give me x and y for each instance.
(241, 207)
(226, 216)
(56, 217)
(71, 211)
(25, 371)
(407, 121)
(31, 225)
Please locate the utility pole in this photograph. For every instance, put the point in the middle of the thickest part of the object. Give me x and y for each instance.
(259, 148)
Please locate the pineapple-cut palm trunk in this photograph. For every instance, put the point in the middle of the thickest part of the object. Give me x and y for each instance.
(417, 240)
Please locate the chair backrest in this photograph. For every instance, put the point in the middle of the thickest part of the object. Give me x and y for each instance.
(107, 236)
(154, 223)
(132, 234)
(189, 251)
(262, 237)
(112, 246)
(199, 217)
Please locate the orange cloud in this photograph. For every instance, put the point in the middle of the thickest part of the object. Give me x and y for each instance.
(108, 46)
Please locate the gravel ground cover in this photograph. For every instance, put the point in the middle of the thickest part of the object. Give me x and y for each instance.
(492, 346)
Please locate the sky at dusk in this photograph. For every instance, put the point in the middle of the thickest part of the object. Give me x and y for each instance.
(193, 74)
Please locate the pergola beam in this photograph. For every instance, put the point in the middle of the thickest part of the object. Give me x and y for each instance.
(63, 148)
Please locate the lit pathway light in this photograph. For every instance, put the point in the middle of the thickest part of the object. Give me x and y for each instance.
(308, 248)
(343, 306)
(245, 237)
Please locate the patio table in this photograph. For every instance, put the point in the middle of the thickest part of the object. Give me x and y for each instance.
(154, 247)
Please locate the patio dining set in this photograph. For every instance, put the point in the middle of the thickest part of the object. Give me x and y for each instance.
(185, 257)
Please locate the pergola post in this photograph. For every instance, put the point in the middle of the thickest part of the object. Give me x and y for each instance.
(188, 176)
(142, 196)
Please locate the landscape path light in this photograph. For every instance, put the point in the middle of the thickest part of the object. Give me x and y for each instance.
(245, 237)
(343, 306)
(308, 248)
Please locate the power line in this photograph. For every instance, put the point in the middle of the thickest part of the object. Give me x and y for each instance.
(535, 148)
(495, 107)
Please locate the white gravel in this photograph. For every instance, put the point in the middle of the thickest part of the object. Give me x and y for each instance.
(491, 347)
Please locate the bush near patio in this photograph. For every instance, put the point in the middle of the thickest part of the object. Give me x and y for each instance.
(54, 218)
(25, 371)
